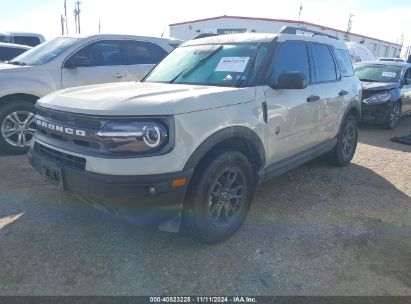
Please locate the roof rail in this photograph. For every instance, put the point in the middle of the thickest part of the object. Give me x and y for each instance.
(293, 30)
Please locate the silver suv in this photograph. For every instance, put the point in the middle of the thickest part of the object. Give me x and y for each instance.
(216, 117)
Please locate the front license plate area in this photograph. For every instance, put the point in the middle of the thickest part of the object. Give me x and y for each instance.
(53, 175)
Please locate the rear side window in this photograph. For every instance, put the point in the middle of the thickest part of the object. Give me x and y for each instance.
(292, 57)
(26, 40)
(102, 53)
(344, 62)
(10, 53)
(139, 52)
(324, 65)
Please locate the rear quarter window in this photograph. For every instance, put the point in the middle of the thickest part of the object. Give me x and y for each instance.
(344, 62)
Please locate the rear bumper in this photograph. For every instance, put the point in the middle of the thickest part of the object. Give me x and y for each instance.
(374, 113)
(124, 193)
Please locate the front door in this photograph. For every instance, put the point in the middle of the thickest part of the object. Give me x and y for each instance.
(102, 62)
(293, 116)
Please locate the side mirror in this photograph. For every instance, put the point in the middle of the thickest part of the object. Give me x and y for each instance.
(77, 61)
(290, 81)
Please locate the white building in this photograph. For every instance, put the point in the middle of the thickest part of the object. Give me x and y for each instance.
(234, 24)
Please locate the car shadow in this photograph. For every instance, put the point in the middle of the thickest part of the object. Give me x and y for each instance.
(315, 230)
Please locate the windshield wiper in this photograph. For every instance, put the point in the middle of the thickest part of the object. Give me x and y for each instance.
(195, 64)
(16, 63)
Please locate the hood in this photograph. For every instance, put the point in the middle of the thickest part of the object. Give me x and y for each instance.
(10, 68)
(141, 98)
(378, 86)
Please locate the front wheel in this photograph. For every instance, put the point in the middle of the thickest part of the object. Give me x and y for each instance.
(347, 142)
(393, 116)
(220, 196)
(17, 127)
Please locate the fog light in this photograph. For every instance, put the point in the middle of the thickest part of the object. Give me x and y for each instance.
(152, 190)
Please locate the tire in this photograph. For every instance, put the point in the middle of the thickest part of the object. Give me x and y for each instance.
(344, 151)
(393, 116)
(17, 126)
(209, 211)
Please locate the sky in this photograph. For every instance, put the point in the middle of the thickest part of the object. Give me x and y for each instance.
(386, 20)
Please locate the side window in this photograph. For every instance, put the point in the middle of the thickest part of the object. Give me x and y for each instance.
(408, 75)
(101, 53)
(292, 57)
(10, 53)
(27, 40)
(344, 62)
(139, 52)
(324, 64)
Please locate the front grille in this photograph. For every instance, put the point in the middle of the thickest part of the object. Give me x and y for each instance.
(89, 124)
(70, 118)
(63, 158)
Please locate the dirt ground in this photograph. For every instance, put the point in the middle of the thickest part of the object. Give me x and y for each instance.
(318, 230)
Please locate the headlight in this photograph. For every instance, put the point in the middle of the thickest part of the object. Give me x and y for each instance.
(379, 98)
(141, 137)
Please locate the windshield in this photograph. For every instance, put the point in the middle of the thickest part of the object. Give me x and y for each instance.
(218, 65)
(45, 52)
(378, 73)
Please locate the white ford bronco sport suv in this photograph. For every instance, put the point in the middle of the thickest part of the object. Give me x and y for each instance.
(68, 62)
(214, 118)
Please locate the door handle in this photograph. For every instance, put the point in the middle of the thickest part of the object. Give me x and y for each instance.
(313, 98)
(343, 93)
(119, 76)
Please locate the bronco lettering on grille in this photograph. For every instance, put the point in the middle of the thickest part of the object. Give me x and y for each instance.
(61, 129)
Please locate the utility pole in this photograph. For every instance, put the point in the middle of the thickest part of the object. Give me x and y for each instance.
(75, 19)
(99, 26)
(299, 15)
(62, 25)
(349, 27)
(78, 16)
(65, 15)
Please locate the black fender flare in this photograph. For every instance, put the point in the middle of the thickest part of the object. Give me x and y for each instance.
(234, 132)
(351, 106)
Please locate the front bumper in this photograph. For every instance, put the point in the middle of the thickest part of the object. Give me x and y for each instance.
(374, 113)
(124, 194)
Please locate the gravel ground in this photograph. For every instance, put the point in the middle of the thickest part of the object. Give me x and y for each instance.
(317, 230)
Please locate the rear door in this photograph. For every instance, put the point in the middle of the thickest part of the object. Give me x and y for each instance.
(105, 63)
(141, 57)
(330, 87)
(292, 119)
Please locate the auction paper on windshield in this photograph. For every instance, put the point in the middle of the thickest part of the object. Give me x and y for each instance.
(232, 64)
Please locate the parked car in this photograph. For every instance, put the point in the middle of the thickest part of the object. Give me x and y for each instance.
(391, 59)
(23, 38)
(386, 91)
(9, 51)
(214, 118)
(68, 62)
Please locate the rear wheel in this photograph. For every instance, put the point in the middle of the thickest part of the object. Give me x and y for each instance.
(393, 116)
(347, 142)
(17, 127)
(220, 196)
